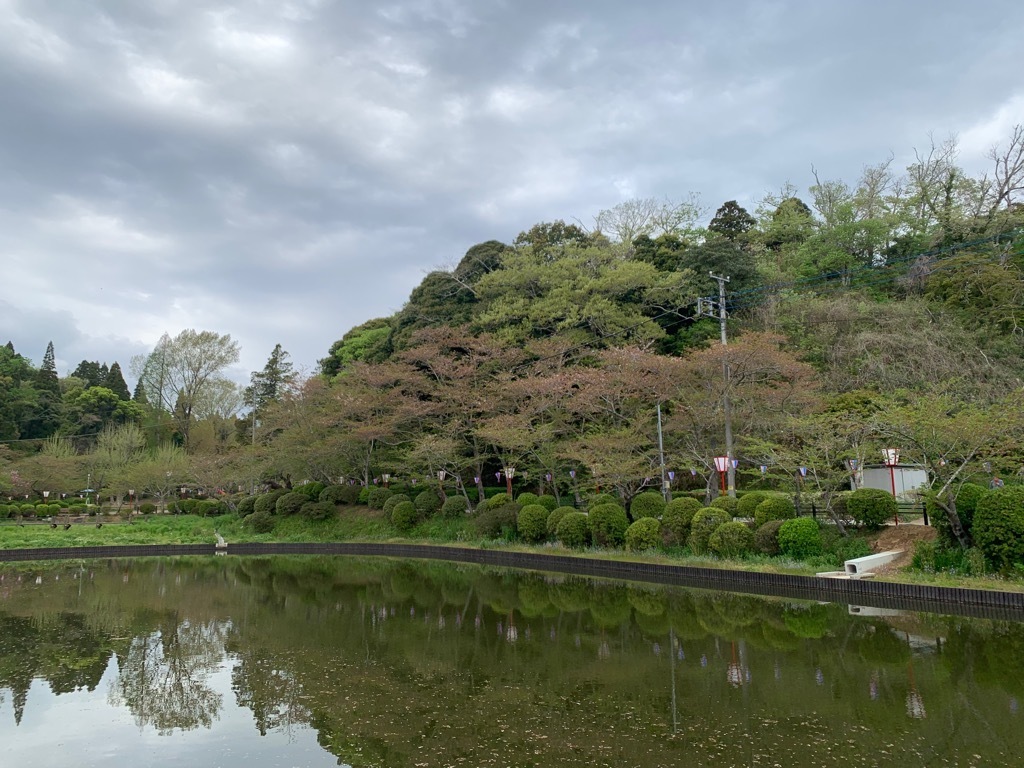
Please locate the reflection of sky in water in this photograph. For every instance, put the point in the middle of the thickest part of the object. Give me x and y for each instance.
(81, 729)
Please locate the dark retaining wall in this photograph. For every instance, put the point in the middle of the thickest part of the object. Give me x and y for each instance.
(980, 603)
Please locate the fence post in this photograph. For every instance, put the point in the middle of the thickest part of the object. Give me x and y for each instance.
(924, 511)
(814, 510)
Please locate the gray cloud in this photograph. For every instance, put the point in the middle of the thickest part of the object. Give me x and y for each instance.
(284, 171)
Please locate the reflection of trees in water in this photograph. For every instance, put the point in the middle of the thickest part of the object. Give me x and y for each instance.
(272, 693)
(163, 676)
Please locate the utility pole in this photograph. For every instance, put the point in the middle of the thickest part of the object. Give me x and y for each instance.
(719, 311)
(661, 459)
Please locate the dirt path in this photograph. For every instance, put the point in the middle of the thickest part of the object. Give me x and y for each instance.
(902, 537)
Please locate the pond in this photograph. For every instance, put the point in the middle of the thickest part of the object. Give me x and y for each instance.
(294, 661)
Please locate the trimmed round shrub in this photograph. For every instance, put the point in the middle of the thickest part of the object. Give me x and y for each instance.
(245, 506)
(454, 508)
(645, 533)
(392, 501)
(532, 522)
(573, 530)
(317, 510)
(729, 503)
(187, 506)
(766, 538)
(260, 521)
(291, 503)
(148, 507)
(555, 517)
(497, 522)
(800, 538)
(733, 539)
(5, 511)
(871, 507)
(208, 508)
(676, 518)
(497, 500)
(54, 509)
(404, 516)
(267, 502)
(377, 496)
(774, 508)
(549, 502)
(999, 527)
(967, 498)
(526, 498)
(647, 504)
(604, 498)
(747, 503)
(340, 494)
(312, 490)
(704, 523)
(608, 525)
(427, 502)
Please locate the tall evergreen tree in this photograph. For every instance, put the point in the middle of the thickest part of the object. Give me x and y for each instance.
(139, 395)
(115, 382)
(270, 384)
(731, 221)
(89, 372)
(47, 378)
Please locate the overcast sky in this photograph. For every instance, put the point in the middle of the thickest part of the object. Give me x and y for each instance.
(283, 170)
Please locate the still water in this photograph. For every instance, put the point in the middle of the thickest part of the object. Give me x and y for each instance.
(372, 662)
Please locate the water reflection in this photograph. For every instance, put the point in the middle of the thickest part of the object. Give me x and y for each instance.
(398, 664)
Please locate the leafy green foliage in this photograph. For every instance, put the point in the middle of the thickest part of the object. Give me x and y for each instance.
(999, 527)
(317, 510)
(603, 498)
(497, 521)
(871, 507)
(526, 498)
(704, 523)
(555, 517)
(377, 496)
(267, 502)
(608, 524)
(733, 539)
(800, 538)
(774, 508)
(311, 490)
(340, 494)
(766, 538)
(547, 501)
(643, 534)
(533, 522)
(246, 506)
(427, 502)
(647, 504)
(967, 498)
(405, 516)
(290, 503)
(677, 517)
(261, 521)
(392, 501)
(454, 508)
(747, 504)
(573, 530)
(729, 503)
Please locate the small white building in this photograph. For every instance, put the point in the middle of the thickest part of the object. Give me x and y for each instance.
(908, 479)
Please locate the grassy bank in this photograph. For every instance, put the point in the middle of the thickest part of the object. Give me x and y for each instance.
(364, 524)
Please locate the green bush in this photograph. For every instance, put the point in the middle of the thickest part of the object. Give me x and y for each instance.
(604, 498)
(676, 518)
(800, 538)
(340, 494)
(392, 501)
(967, 498)
(608, 525)
(454, 508)
(312, 489)
(364, 494)
(644, 534)
(208, 508)
(497, 522)
(871, 507)
(404, 516)
(245, 506)
(317, 510)
(148, 507)
(729, 503)
(427, 502)
(267, 502)
(290, 504)
(5, 511)
(377, 496)
(555, 517)
(766, 538)
(704, 523)
(573, 530)
(532, 522)
(647, 504)
(733, 539)
(748, 502)
(526, 498)
(549, 502)
(261, 521)
(935, 557)
(496, 500)
(999, 527)
(55, 509)
(774, 508)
